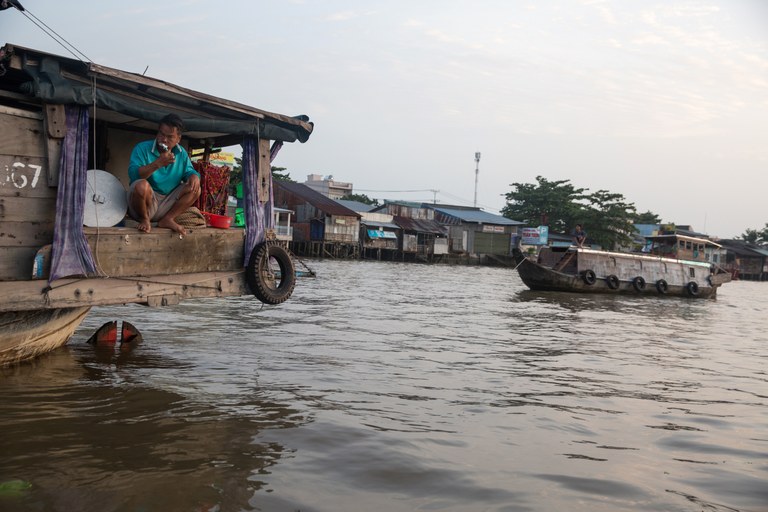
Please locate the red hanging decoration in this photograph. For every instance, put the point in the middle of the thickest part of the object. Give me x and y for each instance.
(214, 187)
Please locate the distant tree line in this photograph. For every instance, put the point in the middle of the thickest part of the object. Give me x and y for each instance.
(361, 198)
(754, 236)
(606, 216)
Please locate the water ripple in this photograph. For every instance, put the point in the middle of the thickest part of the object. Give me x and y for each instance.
(402, 387)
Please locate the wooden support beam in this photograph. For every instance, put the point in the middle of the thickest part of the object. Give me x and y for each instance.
(264, 179)
(54, 119)
(155, 291)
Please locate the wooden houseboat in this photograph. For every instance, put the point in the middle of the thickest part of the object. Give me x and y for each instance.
(572, 269)
(62, 119)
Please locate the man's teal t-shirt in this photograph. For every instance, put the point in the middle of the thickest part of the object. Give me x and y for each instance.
(167, 178)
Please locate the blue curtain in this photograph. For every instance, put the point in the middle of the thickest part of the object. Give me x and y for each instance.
(70, 254)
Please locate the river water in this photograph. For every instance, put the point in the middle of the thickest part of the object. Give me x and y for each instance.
(401, 387)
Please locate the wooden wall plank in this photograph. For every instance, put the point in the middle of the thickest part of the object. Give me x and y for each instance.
(21, 136)
(129, 253)
(124, 252)
(25, 295)
(25, 234)
(27, 209)
(16, 263)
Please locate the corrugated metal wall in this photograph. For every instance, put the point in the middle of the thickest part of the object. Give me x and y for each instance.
(491, 243)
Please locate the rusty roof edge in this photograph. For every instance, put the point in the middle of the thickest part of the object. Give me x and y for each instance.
(98, 69)
(94, 69)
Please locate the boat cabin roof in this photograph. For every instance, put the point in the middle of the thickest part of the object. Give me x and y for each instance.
(635, 256)
(683, 238)
(139, 101)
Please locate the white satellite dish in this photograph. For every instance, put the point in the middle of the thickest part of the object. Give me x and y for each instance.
(105, 200)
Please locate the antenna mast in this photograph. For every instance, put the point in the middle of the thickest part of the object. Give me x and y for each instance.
(477, 172)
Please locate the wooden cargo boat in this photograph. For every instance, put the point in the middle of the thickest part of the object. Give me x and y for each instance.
(61, 117)
(571, 269)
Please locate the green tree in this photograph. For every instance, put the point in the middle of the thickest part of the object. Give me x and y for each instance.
(280, 174)
(750, 236)
(647, 218)
(236, 174)
(609, 219)
(606, 216)
(552, 203)
(753, 236)
(361, 198)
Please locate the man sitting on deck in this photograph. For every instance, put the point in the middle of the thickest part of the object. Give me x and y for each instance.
(163, 181)
(579, 236)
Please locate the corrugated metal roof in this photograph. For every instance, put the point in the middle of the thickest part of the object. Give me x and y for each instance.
(315, 198)
(689, 232)
(703, 241)
(475, 215)
(409, 204)
(742, 248)
(420, 225)
(375, 223)
(356, 205)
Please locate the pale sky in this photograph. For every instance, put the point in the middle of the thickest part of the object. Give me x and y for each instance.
(665, 102)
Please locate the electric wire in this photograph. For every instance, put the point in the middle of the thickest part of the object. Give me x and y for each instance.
(99, 269)
(55, 36)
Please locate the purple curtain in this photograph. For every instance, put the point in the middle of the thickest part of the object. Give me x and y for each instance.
(258, 217)
(70, 254)
(254, 211)
(274, 150)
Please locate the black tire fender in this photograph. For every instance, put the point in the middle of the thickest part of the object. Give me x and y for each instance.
(613, 282)
(268, 287)
(692, 288)
(589, 277)
(662, 286)
(638, 283)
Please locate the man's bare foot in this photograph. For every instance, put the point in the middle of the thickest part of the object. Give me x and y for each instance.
(169, 223)
(145, 226)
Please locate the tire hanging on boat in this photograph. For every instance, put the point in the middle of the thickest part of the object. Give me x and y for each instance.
(662, 286)
(589, 277)
(638, 283)
(263, 280)
(613, 282)
(692, 288)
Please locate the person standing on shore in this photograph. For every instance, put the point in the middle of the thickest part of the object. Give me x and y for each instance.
(163, 182)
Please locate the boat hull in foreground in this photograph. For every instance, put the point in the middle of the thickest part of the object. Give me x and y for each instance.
(28, 334)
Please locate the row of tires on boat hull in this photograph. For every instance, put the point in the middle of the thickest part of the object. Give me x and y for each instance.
(638, 283)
